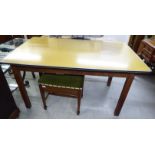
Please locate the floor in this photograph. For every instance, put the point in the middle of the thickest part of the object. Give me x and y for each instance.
(122, 38)
(99, 101)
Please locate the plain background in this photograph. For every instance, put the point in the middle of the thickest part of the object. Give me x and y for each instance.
(68, 137)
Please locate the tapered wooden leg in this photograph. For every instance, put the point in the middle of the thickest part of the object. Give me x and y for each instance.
(79, 102)
(40, 74)
(124, 94)
(43, 96)
(24, 74)
(21, 86)
(109, 81)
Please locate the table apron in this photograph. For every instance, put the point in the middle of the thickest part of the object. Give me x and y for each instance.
(71, 71)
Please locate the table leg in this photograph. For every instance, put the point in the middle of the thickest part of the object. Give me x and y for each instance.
(124, 94)
(109, 81)
(21, 86)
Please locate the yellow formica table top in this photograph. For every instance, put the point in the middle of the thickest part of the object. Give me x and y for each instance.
(77, 54)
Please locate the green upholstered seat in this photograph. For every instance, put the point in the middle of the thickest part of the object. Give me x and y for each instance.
(62, 81)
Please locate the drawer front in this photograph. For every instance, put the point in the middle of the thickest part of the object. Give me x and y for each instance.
(153, 58)
(149, 49)
(146, 55)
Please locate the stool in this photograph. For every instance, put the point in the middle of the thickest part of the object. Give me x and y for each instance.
(62, 85)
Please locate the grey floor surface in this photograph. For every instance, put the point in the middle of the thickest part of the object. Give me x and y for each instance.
(98, 102)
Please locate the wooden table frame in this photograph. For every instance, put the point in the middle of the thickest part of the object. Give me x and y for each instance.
(128, 75)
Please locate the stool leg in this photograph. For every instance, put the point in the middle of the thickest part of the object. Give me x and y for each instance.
(79, 103)
(43, 96)
(82, 93)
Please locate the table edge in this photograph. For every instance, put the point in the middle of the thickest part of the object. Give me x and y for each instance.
(79, 69)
